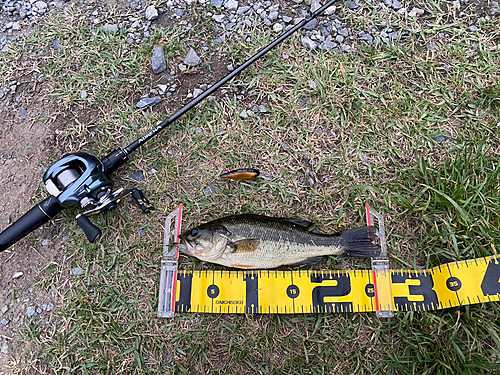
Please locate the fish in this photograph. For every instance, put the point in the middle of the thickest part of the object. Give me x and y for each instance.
(250, 241)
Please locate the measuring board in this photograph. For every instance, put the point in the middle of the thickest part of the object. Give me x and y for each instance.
(307, 291)
(289, 292)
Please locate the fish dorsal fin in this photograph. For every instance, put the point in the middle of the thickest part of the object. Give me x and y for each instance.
(302, 223)
(244, 246)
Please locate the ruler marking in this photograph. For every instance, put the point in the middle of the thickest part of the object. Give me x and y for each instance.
(377, 307)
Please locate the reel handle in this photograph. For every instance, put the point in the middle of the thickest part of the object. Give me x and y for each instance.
(90, 230)
(142, 201)
(31, 220)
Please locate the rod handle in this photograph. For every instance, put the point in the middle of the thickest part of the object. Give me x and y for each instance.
(31, 220)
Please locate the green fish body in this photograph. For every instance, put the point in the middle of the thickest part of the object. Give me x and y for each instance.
(261, 242)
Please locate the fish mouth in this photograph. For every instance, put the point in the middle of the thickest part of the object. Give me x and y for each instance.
(186, 244)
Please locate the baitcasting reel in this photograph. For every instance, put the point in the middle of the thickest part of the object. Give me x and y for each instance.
(80, 179)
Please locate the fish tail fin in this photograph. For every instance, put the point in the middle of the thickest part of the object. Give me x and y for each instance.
(360, 242)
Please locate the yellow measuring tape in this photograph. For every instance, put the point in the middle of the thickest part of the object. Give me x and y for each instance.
(379, 290)
(287, 292)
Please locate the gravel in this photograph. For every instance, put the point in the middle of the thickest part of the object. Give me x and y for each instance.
(151, 13)
(192, 58)
(76, 271)
(147, 102)
(158, 62)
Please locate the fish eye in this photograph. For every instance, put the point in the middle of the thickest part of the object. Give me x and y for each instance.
(195, 232)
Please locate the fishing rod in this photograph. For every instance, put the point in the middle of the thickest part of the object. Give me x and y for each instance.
(82, 179)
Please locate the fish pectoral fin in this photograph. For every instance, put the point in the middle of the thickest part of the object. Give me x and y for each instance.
(308, 261)
(244, 246)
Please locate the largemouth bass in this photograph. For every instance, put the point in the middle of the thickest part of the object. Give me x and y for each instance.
(259, 242)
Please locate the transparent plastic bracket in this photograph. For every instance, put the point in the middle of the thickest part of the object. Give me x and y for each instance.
(381, 274)
(169, 265)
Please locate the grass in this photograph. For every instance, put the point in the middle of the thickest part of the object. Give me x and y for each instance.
(364, 132)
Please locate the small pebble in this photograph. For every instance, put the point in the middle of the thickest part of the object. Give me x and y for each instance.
(30, 311)
(76, 271)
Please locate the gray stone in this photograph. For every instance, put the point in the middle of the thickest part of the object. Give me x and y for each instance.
(76, 271)
(158, 62)
(5, 348)
(110, 28)
(50, 306)
(231, 5)
(40, 5)
(273, 15)
(55, 44)
(16, 26)
(147, 102)
(197, 92)
(346, 48)
(137, 176)
(278, 27)
(329, 45)
(311, 24)
(312, 84)
(38, 310)
(219, 17)
(473, 28)
(244, 115)
(339, 38)
(396, 4)
(432, 47)
(230, 67)
(45, 243)
(344, 32)
(440, 138)
(30, 311)
(367, 37)
(315, 5)
(287, 19)
(4, 322)
(23, 112)
(416, 12)
(352, 5)
(84, 94)
(151, 13)
(217, 3)
(192, 58)
(308, 43)
(179, 12)
(5, 309)
(243, 10)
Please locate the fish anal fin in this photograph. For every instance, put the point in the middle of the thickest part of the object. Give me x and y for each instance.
(245, 246)
(308, 261)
